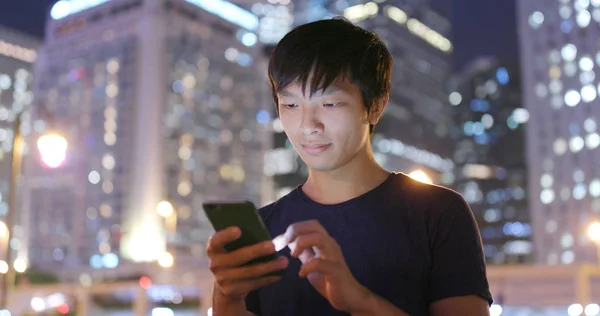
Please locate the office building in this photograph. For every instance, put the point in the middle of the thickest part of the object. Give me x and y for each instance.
(560, 57)
(160, 101)
(489, 156)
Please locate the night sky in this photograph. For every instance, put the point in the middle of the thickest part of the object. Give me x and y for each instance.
(474, 22)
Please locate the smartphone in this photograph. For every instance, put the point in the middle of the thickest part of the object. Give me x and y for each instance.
(243, 214)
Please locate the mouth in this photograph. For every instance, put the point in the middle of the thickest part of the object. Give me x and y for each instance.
(315, 149)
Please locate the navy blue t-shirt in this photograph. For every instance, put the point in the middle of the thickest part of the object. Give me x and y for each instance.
(410, 243)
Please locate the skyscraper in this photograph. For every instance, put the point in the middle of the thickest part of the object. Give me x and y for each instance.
(17, 55)
(489, 156)
(560, 56)
(160, 100)
(414, 132)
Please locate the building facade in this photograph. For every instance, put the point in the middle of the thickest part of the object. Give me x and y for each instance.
(489, 156)
(560, 56)
(160, 101)
(18, 53)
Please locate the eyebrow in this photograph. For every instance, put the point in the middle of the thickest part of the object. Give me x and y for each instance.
(332, 89)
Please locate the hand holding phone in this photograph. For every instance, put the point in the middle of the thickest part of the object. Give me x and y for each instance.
(241, 255)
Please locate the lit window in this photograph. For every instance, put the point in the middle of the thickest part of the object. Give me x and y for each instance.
(587, 77)
(567, 257)
(555, 86)
(589, 125)
(569, 52)
(595, 188)
(576, 144)
(185, 153)
(560, 146)
(565, 12)
(455, 98)
(184, 188)
(112, 90)
(110, 139)
(578, 176)
(105, 210)
(554, 72)
(536, 19)
(490, 215)
(112, 66)
(584, 18)
(588, 93)
(566, 240)
(579, 191)
(581, 4)
(570, 69)
(108, 161)
(572, 98)
(107, 186)
(592, 141)
(554, 56)
(547, 196)
(94, 177)
(546, 181)
(586, 63)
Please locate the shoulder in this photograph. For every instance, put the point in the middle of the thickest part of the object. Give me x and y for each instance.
(429, 198)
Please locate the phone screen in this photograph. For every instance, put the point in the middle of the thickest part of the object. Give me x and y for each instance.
(244, 215)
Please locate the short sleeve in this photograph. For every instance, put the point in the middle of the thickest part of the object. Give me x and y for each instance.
(253, 303)
(457, 259)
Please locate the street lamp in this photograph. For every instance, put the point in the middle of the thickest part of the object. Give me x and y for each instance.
(52, 149)
(594, 234)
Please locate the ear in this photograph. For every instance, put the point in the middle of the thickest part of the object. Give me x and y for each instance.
(377, 110)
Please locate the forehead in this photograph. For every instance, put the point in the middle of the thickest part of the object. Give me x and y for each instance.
(341, 86)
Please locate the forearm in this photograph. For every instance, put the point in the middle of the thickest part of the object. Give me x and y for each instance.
(223, 306)
(378, 306)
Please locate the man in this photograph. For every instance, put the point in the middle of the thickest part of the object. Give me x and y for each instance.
(363, 241)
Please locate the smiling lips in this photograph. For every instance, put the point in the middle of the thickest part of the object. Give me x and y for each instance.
(315, 149)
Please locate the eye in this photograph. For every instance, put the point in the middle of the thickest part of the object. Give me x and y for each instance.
(327, 105)
(289, 105)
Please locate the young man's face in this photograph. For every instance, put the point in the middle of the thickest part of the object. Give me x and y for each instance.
(328, 129)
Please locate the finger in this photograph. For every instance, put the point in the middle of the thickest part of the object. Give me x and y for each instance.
(309, 241)
(241, 256)
(247, 254)
(251, 272)
(318, 265)
(216, 242)
(306, 256)
(303, 228)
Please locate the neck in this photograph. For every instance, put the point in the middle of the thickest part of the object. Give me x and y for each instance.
(360, 175)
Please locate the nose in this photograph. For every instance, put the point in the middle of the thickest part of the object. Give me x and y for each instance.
(311, 124)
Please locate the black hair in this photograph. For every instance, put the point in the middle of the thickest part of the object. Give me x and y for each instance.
(327, 50)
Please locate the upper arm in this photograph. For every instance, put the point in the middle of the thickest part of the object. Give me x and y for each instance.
(458, 272)
(462, 305)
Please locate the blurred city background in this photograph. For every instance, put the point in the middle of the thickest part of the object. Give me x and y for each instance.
(118, 118)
